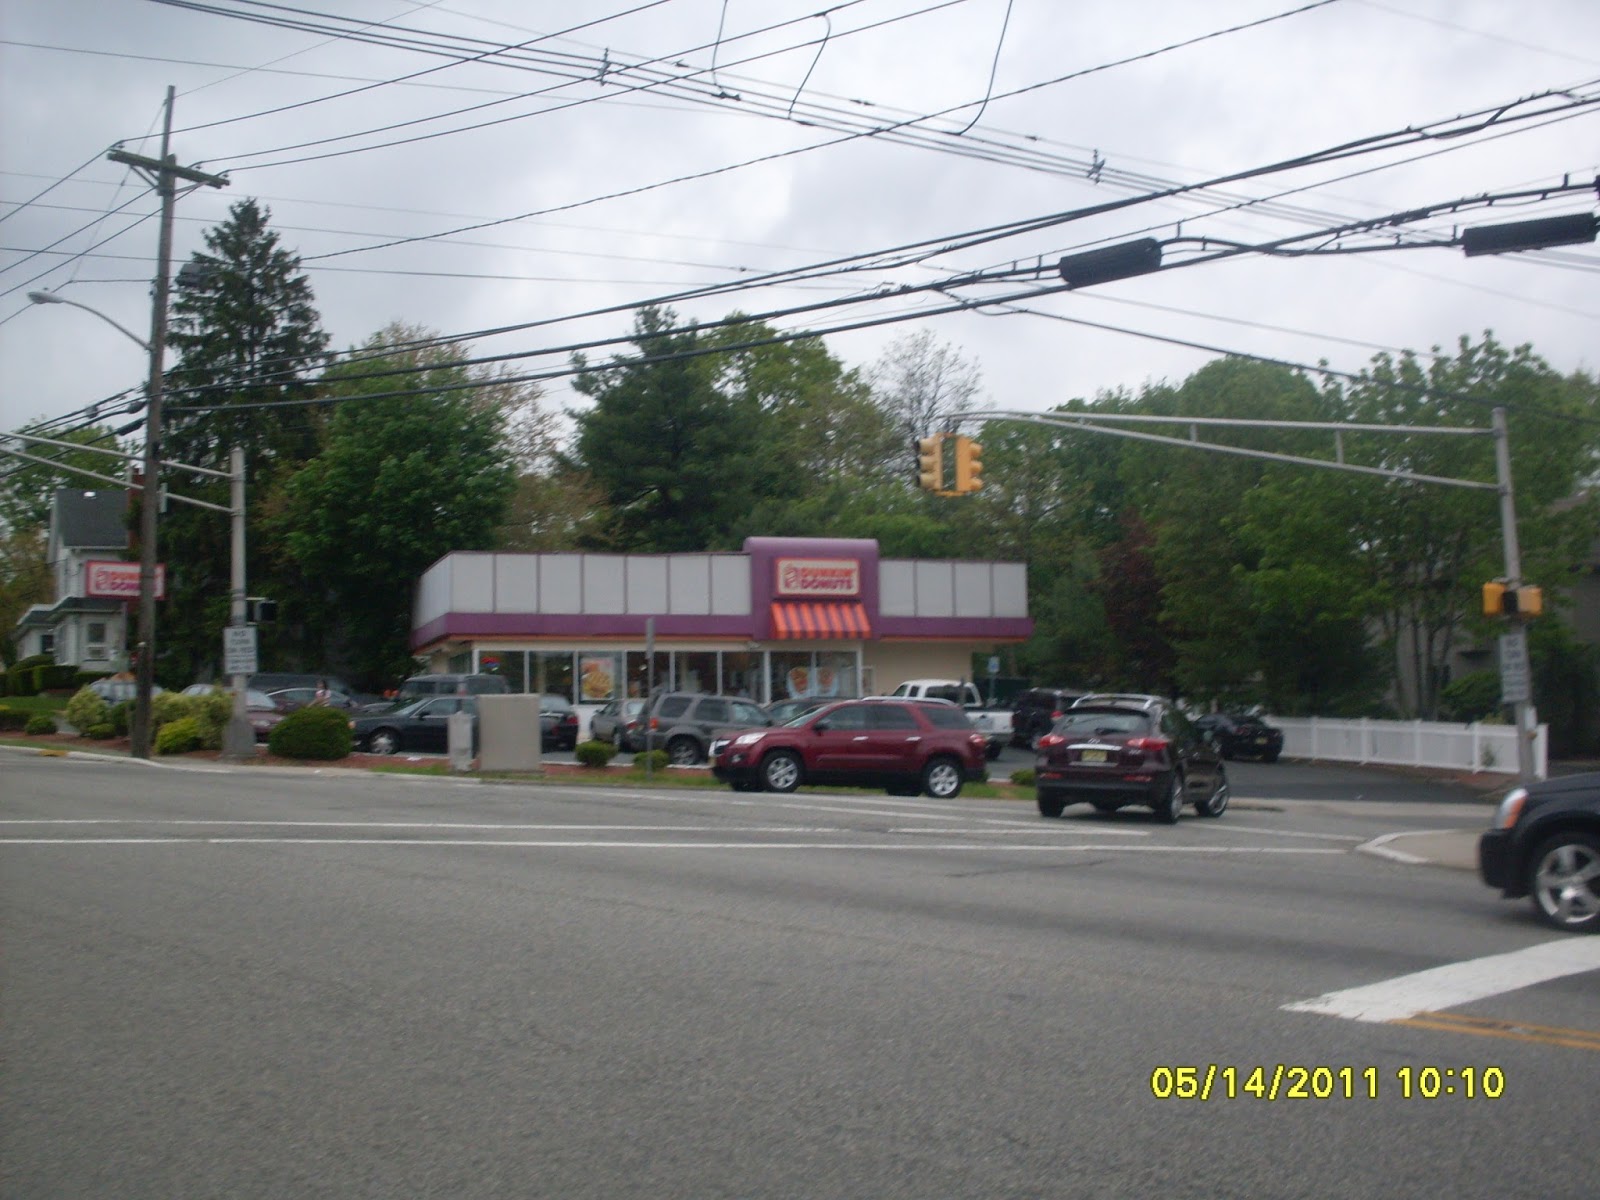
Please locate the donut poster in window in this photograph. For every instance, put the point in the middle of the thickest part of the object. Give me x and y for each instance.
(595, 679)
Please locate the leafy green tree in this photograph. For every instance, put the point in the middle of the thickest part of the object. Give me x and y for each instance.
(670, 452)
(24, 580)
(27, 488)
(401, 481)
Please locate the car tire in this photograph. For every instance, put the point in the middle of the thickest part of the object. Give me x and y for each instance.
(383, 741)
(1215, 804)
(993, 750)
(1564, 882)
(780, 771)
(1171, 807)
(941, 778)
(683, 751)
(1050, 806)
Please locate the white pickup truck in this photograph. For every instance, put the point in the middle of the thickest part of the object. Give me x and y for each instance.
(993, 723)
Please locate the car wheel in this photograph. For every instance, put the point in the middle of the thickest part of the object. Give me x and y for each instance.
(383, 741)
(1564, 881)
(683, 751)
(941, 779)
(1050, 806)
(1215, 804)
(780, 771)
(1171, 808)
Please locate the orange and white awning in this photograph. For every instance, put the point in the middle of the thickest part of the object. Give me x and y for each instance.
(808, 619)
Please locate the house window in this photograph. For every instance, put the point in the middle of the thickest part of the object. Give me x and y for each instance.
(47, 642)
(94, 643)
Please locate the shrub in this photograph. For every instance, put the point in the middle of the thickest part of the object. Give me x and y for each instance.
(169, 706)
(594, 754)
(121, 718)
(657, 759)
(313, 732)
(99, 732)
(213, 711)
(1023, 777)
(178, 737)
(57, 678)
(1472, 697)
(85, 710)
(13, 718)
(40, 723)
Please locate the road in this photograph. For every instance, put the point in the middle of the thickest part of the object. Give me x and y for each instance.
(258, 983)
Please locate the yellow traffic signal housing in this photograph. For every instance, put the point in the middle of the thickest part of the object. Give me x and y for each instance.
(969, 465)
(1499, 600)
(1494, 594)
(930, 463)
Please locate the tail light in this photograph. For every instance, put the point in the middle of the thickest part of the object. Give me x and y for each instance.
(1057, 715)
(1150, 745)
(1051, 739)
(655, 723)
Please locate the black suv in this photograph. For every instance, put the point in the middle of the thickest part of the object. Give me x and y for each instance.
(1035, 710)
(682, 723)
(1242, 736)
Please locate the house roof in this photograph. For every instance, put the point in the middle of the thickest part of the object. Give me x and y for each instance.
(91, 520)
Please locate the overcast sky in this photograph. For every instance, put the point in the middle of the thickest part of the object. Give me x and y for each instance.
(625, 163)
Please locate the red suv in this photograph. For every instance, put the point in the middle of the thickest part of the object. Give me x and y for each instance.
(903, 746)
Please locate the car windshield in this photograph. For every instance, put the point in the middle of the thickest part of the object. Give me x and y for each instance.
(1101, 721)
(945, 717)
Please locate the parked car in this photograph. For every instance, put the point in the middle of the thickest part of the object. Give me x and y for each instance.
(263, 712)
(558, 723)
(1036, 709)
(276, 681)
(1135, 751)
(1241, 736)
(115, 691)
(619, 722)
(902, 746)
(682, 723)
(299, 697)
(422, 726)
(1545, 844)
(784, 711)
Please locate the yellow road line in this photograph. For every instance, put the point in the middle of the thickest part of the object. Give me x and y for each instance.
(1517, 1031)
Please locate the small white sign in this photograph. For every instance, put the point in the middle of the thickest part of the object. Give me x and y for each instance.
(1514, 680)
(239, 650)
(994, 664)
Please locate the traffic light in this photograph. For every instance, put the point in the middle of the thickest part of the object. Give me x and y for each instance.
(969, 465)
(930, 463)
(1499, 600)
(260, 611)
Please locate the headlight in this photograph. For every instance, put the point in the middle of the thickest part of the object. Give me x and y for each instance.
(746, 739)
(1511, 808)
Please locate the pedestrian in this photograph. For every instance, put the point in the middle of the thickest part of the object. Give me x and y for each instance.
(323, 696)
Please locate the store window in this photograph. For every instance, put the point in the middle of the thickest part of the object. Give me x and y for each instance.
(510, 665)
(598, 673)
(695, 671)
(558, 673)
(825, 675)
(643, 675)
(741, 674)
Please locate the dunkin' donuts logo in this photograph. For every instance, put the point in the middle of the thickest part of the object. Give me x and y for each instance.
(819, 577)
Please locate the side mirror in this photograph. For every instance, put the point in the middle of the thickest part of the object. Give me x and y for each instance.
(821, 726)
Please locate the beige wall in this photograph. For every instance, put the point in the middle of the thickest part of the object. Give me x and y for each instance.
(893, 663)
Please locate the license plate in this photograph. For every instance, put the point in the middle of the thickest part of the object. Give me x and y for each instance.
(1092, 756)
(1261, 741)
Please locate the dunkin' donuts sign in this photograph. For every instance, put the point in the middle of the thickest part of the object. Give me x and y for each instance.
(119, 580)
(819, 577)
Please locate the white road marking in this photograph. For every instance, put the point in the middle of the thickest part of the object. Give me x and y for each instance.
(1380, 846)
(922, 847)
(1457, 983)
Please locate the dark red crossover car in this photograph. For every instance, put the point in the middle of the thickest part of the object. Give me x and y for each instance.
(905, 747)
(1132, 751)
(1545, 844)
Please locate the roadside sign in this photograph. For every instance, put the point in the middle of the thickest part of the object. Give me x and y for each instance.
(239, 650)
(994, 664)
(1514, 682)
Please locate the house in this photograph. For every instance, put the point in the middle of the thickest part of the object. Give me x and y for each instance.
(79, 629)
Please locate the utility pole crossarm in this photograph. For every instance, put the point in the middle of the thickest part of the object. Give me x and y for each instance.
(160, 167)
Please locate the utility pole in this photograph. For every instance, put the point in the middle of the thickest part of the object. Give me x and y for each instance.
(163, 174)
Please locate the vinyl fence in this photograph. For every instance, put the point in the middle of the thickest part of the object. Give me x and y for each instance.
(1474, 748)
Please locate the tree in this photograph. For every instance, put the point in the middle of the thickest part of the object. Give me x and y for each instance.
(919, 382)
(24, 579)
(671, 453)
(245, 332)
(401, 481)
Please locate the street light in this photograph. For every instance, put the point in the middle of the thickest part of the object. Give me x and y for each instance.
(52, 298)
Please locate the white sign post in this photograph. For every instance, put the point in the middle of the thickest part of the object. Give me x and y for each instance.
(239, 650)
(1514, 682)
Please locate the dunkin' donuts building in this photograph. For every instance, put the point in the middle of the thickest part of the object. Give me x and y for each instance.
(784, 617)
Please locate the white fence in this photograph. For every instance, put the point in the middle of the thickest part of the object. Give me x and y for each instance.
(1472, 747)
